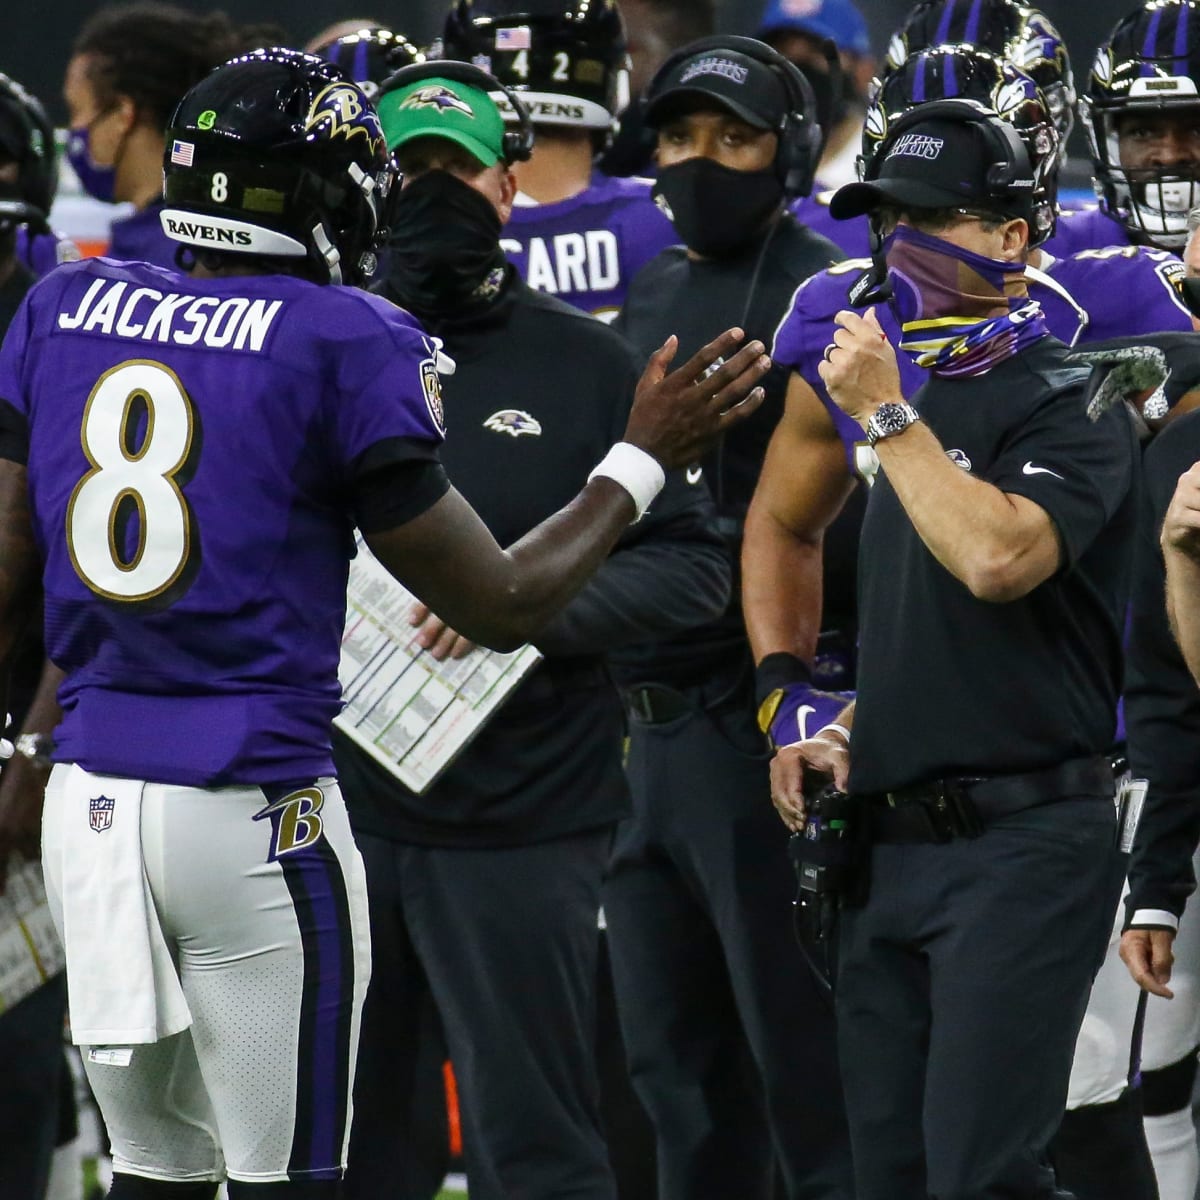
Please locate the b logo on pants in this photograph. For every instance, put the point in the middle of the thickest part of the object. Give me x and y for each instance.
(295, 821)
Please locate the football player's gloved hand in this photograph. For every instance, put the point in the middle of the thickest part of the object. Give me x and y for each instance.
(1155, 370)
(790, 709)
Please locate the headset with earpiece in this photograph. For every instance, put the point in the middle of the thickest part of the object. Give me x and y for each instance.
(1011, 180)
(518, 140)
(801, 139)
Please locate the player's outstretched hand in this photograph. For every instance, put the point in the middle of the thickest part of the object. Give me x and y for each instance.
(1181, 526)
(1149, 956)
(826, 756)
(677, 416)
(22, 793)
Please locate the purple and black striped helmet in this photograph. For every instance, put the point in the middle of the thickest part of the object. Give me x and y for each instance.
(1149, 66)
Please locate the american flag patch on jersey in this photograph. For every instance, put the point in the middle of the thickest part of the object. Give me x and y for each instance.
(181, 153)
(515, 37)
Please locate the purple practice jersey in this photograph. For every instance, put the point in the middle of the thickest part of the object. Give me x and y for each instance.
(192, 449)
(585, 250)
(1108, 293)
(140, 238)
(42, 252)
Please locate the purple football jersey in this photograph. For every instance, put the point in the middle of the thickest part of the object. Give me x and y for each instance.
(192, 448)
(1084, 228)
(852, 237)
(585, 250)
(42, 252)
(140, 238)
(1125, 291)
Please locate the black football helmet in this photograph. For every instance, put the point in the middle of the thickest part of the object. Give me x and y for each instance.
(26, 138)
(278, 154)
(965, 73)
(1150, 64)
(569, 59)
(370, 55)
(1022, 35)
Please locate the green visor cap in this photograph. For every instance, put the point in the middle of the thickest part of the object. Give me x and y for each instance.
(447, 109)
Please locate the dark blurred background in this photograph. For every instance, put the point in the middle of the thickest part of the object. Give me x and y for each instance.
(37, 35)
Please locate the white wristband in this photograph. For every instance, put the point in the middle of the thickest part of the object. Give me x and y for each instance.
(833, 727)
(639, 473)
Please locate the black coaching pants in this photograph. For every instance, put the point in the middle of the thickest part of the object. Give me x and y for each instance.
(961, 988)
(730, 1043)
(506, 942)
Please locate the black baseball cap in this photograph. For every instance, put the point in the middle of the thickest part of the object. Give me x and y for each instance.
(933, 164)
(745, 86)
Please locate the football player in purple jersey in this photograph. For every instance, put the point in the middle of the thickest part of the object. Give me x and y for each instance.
(1141, 112)
(1007, 28)
(183, 458)
(1093, 296)
(129, 66)
(574, 233)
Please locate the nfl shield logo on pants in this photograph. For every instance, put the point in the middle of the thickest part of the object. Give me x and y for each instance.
(100, 811)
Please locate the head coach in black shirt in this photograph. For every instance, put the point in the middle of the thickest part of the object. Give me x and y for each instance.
(485, 889)
(994, 573)
(730, 1043)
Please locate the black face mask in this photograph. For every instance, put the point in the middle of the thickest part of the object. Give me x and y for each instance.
(444, 253)
(715, 209)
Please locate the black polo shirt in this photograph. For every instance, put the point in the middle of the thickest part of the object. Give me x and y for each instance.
(952, 685)
(539, 394)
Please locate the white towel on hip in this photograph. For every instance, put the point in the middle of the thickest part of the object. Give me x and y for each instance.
(122, 984)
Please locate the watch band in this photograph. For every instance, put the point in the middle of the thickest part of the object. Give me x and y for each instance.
(889, 420)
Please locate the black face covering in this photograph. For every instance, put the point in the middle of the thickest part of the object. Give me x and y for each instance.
(717, 210)
(444, 253)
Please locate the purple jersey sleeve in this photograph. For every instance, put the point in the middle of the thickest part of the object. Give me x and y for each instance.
(809, 326)
(585, 250)
(1125, 290)
(192, 445)
(852, 237)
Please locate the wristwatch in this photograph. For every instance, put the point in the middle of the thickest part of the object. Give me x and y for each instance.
(889, 420)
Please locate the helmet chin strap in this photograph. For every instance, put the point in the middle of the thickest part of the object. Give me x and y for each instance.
(329, 253)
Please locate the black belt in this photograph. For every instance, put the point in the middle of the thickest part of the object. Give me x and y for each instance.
(943, 809)
(654, 704)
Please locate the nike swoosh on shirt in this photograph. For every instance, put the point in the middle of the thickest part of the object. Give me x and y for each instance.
(1030, 469)
(802, 715)
(694, 473)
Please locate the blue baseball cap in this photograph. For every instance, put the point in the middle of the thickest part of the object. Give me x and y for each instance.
(838, 20)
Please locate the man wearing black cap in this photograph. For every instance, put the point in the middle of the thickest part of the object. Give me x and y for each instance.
(730, 1042)
(992, 587)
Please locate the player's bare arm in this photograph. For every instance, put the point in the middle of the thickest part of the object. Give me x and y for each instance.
(1180, 542)
(1000, 545)
(801, 490)
(500, 598)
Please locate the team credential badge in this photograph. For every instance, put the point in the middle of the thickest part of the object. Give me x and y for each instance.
(514, 422)
(100, 812)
